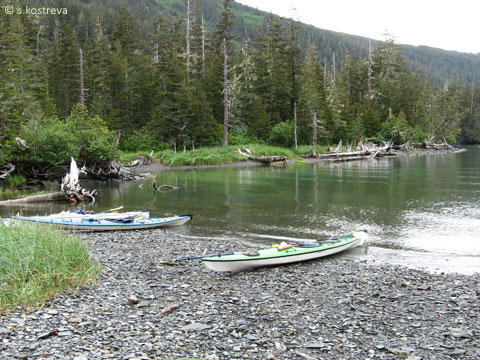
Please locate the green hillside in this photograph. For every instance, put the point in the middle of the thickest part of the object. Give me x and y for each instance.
(439, 65)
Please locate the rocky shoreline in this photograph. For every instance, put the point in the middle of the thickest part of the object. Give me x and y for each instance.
(333, 308)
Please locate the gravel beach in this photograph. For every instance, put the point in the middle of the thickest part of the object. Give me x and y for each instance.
(332, 308)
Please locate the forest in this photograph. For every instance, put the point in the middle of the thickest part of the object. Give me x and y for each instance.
(141, 75)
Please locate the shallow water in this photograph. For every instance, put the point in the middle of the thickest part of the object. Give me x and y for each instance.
(419, 211)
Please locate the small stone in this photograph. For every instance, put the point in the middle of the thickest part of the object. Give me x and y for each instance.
(64, 333)
(169, 309)
(196, 327)
(133, 300)
(457, 352)
(306, 356)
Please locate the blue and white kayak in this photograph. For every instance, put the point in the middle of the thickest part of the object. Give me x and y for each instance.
(94, 216)
(108, 224)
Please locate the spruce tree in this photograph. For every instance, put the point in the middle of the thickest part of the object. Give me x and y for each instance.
(64, 71)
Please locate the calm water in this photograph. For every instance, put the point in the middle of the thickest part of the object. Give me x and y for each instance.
(420, 211)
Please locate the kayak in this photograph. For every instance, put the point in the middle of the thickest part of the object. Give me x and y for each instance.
(108, 224)
(94, 216)
(284, 253)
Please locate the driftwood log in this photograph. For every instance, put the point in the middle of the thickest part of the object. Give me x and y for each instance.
(71, 187)
(70, 190)
(363, 151)
(373, 150)
(112, 170)
(426, 144)
(275, 159)
(162, 188)
(9, 169)
(141, 160)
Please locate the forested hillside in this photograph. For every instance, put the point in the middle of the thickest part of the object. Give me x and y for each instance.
(103, 75)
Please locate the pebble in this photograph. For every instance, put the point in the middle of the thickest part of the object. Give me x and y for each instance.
(143, 307)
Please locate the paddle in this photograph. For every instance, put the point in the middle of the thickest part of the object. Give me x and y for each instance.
(202, 256)
(109, 210)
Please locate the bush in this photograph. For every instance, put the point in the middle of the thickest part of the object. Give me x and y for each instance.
(418, 135)
(52, 145)
(138, 140)
(85, 138)
(96, 142)
(282, 135)
(396, 126)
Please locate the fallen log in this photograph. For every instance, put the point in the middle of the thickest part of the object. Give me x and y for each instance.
(70, 190)
(263, 159)
(53, 197)
(140, 160)
(8, 171)
(363, 152)
(112, 170)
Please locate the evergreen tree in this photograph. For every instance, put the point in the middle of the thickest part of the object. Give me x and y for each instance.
(351, 91)
(312, 99)
(17, 103)
(64, 71)
(273, 83)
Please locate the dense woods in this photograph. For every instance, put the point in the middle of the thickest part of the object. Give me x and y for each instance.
(130, 75)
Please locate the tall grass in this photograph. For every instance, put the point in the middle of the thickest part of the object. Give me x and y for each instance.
(38, 262)
(220, 155)
(307, 149)
(201, 156)
(126, 157)
(14, 181)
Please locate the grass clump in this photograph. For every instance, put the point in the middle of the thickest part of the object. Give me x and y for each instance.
(307, 149)
(38, 262)
(201, 156)
(125, 157)
(14, 181)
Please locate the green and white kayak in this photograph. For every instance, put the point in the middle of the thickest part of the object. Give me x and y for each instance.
(285, 254)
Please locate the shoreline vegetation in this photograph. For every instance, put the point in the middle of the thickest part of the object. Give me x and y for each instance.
(220, 156)
(38, 263)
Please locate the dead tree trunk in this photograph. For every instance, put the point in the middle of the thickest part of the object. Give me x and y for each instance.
(263, 159)
(225, 93)
(53, 197)
(71, 187)
(82, 89)
(295, 123)
(314, 142)
(363, 152)
(162, 188)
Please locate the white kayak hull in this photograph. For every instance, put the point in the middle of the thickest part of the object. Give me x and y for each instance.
(284, 257)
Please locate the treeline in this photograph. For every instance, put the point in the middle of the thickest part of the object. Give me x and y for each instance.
(87, 85)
